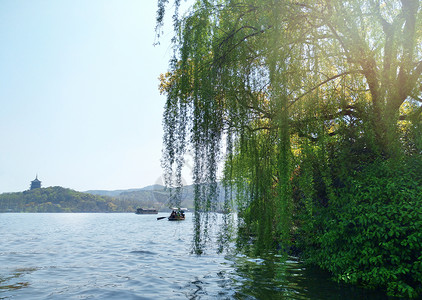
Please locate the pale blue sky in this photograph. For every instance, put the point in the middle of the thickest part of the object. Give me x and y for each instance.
(79, 95)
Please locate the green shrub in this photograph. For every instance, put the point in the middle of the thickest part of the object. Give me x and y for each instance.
(372, 232)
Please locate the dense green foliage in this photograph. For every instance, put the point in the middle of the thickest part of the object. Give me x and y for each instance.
(58, 199)
(315, 109)
(371, 233)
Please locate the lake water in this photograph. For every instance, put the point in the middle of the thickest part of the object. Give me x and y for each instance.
(128, 256)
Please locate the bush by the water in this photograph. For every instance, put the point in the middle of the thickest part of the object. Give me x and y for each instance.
(372, 233)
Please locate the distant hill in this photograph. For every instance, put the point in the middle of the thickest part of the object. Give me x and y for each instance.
(113, 193)
(155, 187)
(154, 196)
(109, 193)
(59, 199)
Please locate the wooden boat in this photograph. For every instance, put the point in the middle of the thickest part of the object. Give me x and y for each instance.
(177, 215)
(141, 211)
(176, 218)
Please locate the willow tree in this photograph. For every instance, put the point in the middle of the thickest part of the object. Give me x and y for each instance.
(229, 81)
(288, 89)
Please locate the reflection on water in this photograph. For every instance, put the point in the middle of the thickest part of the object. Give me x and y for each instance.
(128, 256)
(277, 277)
(14, 280)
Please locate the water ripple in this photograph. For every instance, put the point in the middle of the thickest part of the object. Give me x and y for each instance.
(142, 252)
(122, 256)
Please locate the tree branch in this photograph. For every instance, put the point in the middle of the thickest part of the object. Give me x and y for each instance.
(322, 83)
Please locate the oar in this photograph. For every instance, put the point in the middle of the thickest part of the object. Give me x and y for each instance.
(161, 218)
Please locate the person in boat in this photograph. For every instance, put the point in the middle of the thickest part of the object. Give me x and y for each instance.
(173, 214)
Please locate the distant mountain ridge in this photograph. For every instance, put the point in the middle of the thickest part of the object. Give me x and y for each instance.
(114, 193)
(155, 196)
(59, 199)
(152, 196)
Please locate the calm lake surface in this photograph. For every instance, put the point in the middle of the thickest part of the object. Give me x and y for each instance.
(128, 256)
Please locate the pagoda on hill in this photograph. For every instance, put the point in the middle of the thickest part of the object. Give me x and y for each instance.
(35, 184)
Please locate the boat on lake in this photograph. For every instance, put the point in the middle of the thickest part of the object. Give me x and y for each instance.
(177, 215)
(141, 211)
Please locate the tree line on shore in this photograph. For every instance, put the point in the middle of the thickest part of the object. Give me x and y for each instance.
(59, 199)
